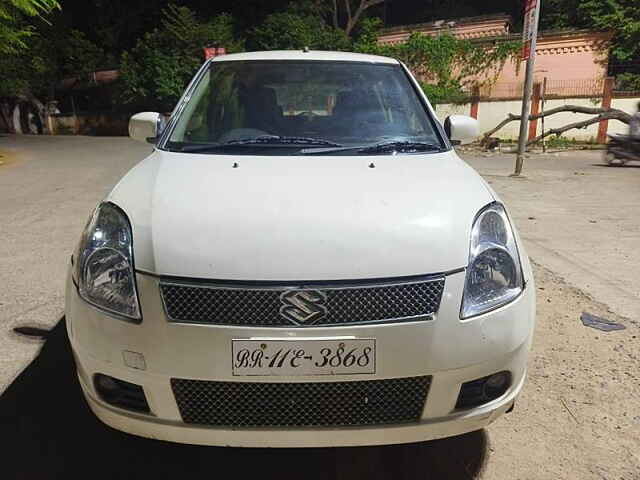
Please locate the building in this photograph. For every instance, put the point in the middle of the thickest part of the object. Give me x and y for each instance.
(574, 62)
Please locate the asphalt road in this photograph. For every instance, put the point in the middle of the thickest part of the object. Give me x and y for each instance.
(48, 187)
(575, 216)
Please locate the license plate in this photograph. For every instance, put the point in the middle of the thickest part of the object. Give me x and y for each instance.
(303, 357)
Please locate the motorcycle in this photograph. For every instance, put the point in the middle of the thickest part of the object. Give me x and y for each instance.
(622, 149)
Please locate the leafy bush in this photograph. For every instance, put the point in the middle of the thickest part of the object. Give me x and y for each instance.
(156, 71)
(50, 56)
(296, 28)
(628, 82)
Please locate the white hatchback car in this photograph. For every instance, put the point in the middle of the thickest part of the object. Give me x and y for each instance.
(303, 260)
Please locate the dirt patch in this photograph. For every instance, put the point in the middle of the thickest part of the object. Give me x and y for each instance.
(7, 159)
(579, 414)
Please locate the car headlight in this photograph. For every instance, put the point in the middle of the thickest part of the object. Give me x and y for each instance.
(104, 263)
(494, 275)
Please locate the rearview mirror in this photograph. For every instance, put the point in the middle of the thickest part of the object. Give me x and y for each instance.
(146, 126)
(461, 129)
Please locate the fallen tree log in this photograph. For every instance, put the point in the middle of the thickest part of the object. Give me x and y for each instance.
(602, 114)
(559, 131)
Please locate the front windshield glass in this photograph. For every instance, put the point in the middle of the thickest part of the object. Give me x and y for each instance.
(271, 106)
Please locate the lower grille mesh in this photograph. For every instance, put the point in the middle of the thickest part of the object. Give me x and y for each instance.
(239, 404)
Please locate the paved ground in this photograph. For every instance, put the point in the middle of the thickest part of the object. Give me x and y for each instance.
(577, 217)
(48, 187)
(579, 416)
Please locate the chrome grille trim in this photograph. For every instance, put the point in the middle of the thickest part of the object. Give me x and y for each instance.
(307, 404)
(258, 305)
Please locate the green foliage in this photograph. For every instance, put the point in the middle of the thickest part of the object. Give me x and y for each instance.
(296, 28)
(559, 141)
(66, 54)
(619, 16)
(628, 81)
(366, 38)
(49, 57)
(158, 68)
(14, 28)
(31, 61)
(451, 92)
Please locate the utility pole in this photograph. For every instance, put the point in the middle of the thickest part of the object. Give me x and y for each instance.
(544, 99)
(530, 37)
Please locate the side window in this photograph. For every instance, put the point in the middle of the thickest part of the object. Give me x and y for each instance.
(197, 125)
(189, 119)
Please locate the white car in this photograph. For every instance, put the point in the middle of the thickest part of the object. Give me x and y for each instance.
(303, 260)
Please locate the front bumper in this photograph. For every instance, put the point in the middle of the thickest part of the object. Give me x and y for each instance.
(446, 348)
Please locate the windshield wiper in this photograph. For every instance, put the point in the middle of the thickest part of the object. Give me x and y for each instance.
(404, 146)
(283, 140)
(264, 140)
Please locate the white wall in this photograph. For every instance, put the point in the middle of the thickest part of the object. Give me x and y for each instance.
(445, 109)
(561, 119)
(629, 105)
(490, 114)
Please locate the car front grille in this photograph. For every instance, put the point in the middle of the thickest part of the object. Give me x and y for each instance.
(337, 305)
(329, 404)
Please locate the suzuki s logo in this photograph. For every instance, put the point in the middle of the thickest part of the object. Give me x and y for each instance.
(303, 307)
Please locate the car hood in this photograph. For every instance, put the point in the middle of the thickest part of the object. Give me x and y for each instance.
(300, 218)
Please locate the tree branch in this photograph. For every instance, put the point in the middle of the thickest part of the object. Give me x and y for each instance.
(347, 6)
(335, 14)
(353, 20)
(510, 118)
(603, 114)
(559, 131)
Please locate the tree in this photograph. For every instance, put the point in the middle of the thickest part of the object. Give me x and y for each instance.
(300, 25)
(622, 17)
(117, 24)
(14, 29)
(31, 76)
(157, 69)
(347, 13)
(50, 56)
(600, 114)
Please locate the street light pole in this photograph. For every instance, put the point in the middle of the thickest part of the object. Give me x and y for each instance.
(531, 20)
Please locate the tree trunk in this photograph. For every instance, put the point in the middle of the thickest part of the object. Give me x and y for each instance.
(353, 17)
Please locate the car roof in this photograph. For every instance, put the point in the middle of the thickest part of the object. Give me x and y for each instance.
(305, 55)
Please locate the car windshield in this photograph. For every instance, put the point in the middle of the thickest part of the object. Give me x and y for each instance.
(309, 107)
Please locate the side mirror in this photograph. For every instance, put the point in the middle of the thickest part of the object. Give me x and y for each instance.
(146, 126)
(461, 129)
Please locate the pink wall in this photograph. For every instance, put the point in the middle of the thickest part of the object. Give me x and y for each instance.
(574, 62)
(574, 59)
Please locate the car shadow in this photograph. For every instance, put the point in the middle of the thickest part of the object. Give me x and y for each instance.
(48, 431)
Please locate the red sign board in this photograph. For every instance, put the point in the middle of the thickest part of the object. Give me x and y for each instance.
(530, 8)
(210, 52)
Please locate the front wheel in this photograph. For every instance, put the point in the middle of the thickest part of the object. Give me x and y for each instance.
(613, 161)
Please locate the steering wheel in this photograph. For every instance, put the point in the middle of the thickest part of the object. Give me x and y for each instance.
(309, 114)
